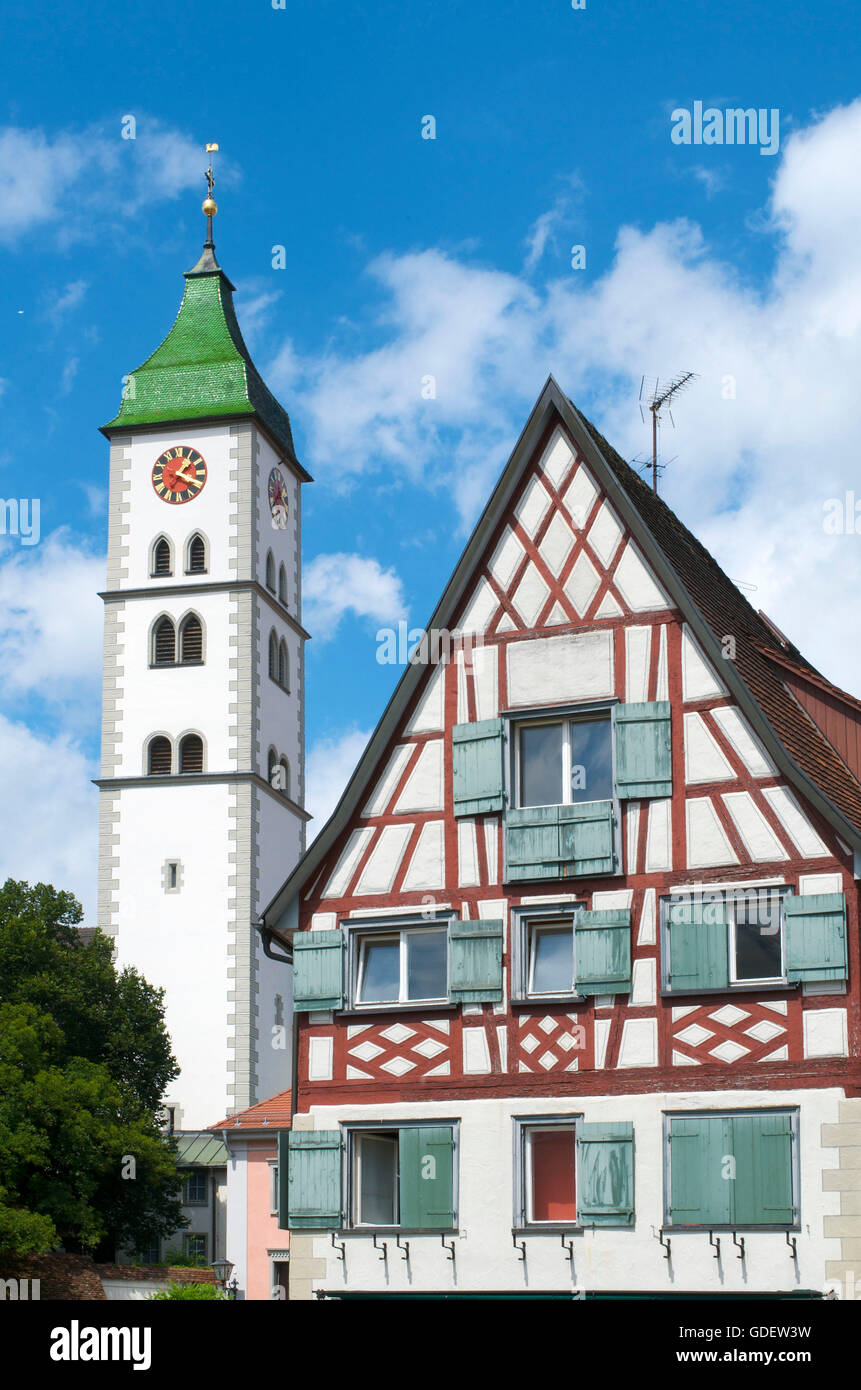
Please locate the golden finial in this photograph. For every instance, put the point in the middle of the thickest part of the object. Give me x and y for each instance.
(210, 207)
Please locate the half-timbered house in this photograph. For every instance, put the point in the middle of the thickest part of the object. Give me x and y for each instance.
(576, 967)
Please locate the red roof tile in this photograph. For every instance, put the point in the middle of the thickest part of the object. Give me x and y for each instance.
(274, 1113)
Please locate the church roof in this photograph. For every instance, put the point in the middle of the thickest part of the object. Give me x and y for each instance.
(203, 369)
(709, 601)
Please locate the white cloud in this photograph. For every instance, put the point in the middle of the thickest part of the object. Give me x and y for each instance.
(334, 585)
(331, 762)
(51, 621)
(58, 305)
(754, 467)
(48, 831)
(86, 182)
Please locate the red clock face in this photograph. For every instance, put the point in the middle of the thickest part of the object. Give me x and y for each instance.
(178, 475)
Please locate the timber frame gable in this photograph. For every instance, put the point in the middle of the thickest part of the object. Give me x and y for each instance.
(710, 604)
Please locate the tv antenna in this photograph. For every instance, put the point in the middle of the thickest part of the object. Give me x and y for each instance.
(654, 396)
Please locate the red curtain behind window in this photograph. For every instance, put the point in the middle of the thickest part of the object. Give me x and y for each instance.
(553, 1197)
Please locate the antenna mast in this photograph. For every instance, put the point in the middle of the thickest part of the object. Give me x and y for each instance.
(660, 394)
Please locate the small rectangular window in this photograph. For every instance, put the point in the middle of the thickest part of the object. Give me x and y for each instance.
(403, 1177)
(273, 1189)
(197, 1187)
(551, 956)
(377, 1179)
(564, 763)
(551, 1186)
(756, 952)
(195, 1246)
(724, 939)
(409, 966)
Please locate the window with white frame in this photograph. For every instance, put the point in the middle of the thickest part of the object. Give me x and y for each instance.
(562, 761)
(725, 939)
(543, 963)
(547, 1156)
(403, 966)
(755, 922)
(403, 1176)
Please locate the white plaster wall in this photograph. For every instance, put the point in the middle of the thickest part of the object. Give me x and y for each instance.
(279, 832)
(179, 940)
(209, 512)
(283, 544)
(610, 1259)
(175, 699)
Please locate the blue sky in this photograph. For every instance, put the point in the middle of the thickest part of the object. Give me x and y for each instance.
(407, 257)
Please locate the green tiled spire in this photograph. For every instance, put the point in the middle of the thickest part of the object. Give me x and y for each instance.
(203, 369)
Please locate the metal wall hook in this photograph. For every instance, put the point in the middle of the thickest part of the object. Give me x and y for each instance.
(715, 1244)
(521, 1248)
(383, 1248)
(665, 1244)
(340, 1249)
(449, 1249)
(792, 1242)
(568, 1247)
(403, 1247)
(739, 1245)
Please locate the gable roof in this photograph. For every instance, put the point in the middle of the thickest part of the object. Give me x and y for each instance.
(274, 1113)
(708, 600)
(203, 369)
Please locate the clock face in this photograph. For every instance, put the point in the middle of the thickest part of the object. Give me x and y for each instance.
(178, 475)
(278, 504)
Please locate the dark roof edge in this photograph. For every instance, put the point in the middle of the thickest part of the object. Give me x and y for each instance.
(553, 398)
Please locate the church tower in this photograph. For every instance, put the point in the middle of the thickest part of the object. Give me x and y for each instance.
(202, 776)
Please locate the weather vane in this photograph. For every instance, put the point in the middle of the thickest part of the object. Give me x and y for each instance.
(210, 207)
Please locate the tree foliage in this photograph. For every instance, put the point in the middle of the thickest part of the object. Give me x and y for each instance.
(84, 1061)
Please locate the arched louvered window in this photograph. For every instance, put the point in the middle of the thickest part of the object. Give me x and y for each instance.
(283, 667)
(270, 571)
(164, 643)
(159, 757)
(191, 753)
(273, 656)
(273, 763)
(282, 586)
(285, 776)
(162, 561)
(197, 555)
(191, 639)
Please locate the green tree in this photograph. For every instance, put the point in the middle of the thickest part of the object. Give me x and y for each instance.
(84, 1061)
(188, 1292)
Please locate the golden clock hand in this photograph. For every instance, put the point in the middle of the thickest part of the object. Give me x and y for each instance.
(185, 477)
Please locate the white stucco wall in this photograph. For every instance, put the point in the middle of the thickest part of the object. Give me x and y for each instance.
(610, 1259)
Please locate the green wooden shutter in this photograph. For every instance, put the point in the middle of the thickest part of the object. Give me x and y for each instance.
(560, 841)
(313, 1180)
(475, 962)
(762, 1189)
(602, 951)
(605, 1174)
(699, 953)
(318, 970)
(587, 838)
(426, 1161)
(815, 936)
(700, 1179)
(644, 757)
(477, 767)
(283, 1169)
(532, 843)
